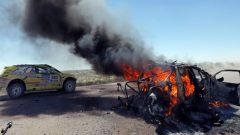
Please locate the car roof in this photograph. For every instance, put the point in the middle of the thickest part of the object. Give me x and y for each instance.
(34, 65)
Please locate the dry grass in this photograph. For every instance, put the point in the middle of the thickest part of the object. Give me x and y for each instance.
(89, 77)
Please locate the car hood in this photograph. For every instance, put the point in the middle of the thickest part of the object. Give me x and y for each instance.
(65, 75)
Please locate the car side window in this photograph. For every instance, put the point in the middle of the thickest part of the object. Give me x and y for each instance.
(41, 70)
(30, 70)
(198, 75)
(50, 70)
(20, 70)
(24, 70)
(229, 76)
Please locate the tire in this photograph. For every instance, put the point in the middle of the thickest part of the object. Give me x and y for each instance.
(15, 90)
(69, 86)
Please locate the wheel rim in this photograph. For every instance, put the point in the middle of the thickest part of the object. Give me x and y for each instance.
(70, 86)
(16, 90)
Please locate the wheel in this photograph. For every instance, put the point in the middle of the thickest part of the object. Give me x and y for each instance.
(15, 90)
(69, 86)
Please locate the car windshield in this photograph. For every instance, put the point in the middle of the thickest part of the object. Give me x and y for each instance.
(54, 70)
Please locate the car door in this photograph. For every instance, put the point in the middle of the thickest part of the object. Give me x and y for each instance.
(44, 76)
(227, 85)
(202, 82)
(31, 78)
(55, 79)
(50, 79)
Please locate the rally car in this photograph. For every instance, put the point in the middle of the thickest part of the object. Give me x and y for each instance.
(18, 79)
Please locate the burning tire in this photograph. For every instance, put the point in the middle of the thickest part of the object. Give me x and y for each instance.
(69, 86)
(15, 90)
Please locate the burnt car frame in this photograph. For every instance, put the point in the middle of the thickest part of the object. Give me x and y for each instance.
(200, 78)
(215, 88)
(154, 103)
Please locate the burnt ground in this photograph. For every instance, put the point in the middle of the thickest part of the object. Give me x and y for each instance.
(87, 111)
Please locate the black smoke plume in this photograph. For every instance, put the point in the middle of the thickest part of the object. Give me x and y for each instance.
(89, 28)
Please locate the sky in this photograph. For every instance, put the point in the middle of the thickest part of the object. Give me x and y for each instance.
(198, 30)
(184, 30)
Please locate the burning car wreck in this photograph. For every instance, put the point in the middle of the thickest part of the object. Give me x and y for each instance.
(173, 96)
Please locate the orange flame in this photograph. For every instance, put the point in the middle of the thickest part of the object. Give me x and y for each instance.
(218, 104)
(130, 73)
(156, 75)
(174, 94)
(189, 86)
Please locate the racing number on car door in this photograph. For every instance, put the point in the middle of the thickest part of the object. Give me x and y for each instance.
(54, 81)
(49, 79)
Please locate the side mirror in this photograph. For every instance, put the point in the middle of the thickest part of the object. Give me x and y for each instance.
(220, 79)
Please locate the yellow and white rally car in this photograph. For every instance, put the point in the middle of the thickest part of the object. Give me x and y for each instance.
(20, 78)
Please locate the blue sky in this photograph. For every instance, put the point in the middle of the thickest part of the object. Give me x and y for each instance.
(186, 30)
(198, 30)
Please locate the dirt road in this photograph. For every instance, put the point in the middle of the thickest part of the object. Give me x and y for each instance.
(86, 112)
